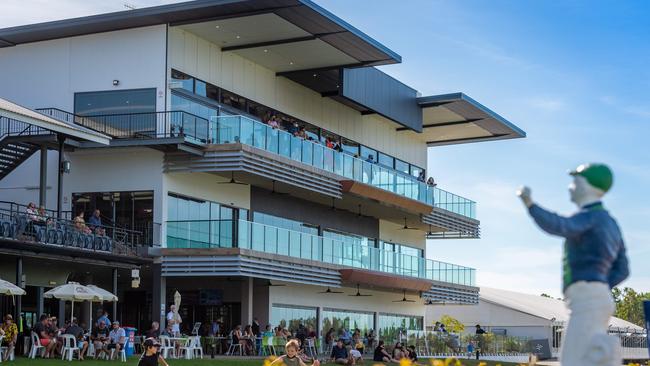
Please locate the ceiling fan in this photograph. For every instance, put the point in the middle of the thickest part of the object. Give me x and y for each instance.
(404, 299)
(268, 283)
(359, 294)
(330, 291)
(406, 227)
(429, 233)
(232, 180)
(273, 191)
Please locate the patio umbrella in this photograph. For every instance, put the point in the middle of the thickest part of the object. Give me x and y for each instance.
(72, 291)
(105, 296)
(8, 288)
(177, 303)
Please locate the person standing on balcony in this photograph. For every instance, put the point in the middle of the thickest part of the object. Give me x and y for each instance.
(594, 262)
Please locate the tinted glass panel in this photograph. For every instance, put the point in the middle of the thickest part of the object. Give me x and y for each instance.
(386, 160)
(200, 88)
(115, 102)
(401, 166)
(368, 153)
(187, 82)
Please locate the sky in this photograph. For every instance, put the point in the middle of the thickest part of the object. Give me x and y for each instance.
(572, 74)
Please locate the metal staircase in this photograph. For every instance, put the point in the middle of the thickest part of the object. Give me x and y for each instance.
(13, 151)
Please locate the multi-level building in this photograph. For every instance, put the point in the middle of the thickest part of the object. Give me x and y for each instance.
(246, 154)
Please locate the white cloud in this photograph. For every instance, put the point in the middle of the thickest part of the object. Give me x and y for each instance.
(546, 104)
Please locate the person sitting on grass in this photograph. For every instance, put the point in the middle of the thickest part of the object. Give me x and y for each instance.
(340, 354)
(151, 355)
(291, 357)
(412, 355)
(381, 355)
(398, 351)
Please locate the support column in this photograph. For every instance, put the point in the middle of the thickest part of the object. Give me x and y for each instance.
(59, 185)
(159, 294)
(62, 313)
(319, 322)
(247, 301)
(376, 324)
(115, 293)
(19, 283)
(42, 188)
(40, 303)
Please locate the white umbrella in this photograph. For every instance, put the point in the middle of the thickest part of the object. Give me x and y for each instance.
(73, 291)
(8, 288)
(105, 296)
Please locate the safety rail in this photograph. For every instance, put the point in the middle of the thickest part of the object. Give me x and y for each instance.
(14, 208)
(10, 127)
(145, 125)
(274, 240)
(42, 229)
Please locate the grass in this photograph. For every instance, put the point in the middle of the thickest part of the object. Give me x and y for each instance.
(21, 361)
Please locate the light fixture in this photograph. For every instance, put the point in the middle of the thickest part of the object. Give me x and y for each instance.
(238, 36)
(266, 51)
(116, 82)
(217, 26)
(290, 62)
(315, 75)
(65, 166)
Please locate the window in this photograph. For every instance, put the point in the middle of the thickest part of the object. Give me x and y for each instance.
(212, 92)
(187, 82)
(200, 88)
(390, 326)
(368, 153)
(350, 146)
(347, 319)
(386, 160)
(233, 100)
(291, 316)
(401, 166)
(415, 171)
(115, 102)
(281, 222)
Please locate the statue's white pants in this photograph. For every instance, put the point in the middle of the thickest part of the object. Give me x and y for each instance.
(585, 340)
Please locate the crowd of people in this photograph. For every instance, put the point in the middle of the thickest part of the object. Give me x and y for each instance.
(39, 217)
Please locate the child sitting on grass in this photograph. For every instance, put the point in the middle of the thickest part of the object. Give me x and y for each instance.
(291, 358)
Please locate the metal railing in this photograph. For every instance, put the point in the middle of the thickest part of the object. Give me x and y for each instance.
(42, 229)
(17, 208)
(146, 125)
(274, 240)
(11, 127)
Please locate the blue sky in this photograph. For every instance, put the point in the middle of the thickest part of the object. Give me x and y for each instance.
(571, 74)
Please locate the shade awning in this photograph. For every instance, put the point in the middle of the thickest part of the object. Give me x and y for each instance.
(384, 280)
(19, 113)
(457, 119)
(385, 197)
(8, 288)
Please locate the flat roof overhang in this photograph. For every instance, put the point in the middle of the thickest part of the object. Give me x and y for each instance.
(456, 118)
(384, 196)
(353, 276)
(297, 21)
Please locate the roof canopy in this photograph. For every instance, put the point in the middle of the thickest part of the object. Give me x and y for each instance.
(456, 118)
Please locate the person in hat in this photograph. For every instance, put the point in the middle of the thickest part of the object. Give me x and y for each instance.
(10, 332)
(151, 355)
(594, 262)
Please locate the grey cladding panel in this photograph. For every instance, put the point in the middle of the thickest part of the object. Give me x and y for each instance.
(384, 95)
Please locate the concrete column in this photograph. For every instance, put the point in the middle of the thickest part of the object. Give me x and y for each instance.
(376, 324)
(114, 313)
(40, 305)
(319, 322)
(247, 301)
(159, 294)
(42, 188)
(19, 283)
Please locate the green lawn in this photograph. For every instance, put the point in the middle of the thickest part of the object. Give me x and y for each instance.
(205, 362)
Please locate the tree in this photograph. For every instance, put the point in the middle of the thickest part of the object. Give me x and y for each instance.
(629, 305)
(452, 324)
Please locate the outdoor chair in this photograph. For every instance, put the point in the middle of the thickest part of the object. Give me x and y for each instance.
(192, 349)
(6, 228)
(234, 347)
(310, 348)
(69, 347)
(267, 346)
(166, 347)
(122, 353)
(36, 346)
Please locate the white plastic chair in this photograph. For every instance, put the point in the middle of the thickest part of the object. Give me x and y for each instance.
(2, 349)
(166, 347)
(310, 348)
(193, 348)
(36, 346)
(234, 347)
(69, 347)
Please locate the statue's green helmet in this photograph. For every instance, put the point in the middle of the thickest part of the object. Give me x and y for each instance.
(597, 175)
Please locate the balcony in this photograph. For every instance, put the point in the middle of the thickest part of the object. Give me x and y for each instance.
(278, 241)
(243, 130)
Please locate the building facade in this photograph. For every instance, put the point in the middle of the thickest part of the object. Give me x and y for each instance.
(258, 163)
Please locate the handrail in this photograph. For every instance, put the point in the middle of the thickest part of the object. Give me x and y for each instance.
(20, 205)
(13, 127)
(275, 240)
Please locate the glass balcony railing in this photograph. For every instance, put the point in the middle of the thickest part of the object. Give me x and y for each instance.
(275, 240)
(240, 129)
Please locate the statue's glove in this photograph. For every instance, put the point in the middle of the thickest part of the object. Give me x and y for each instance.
(525, 194)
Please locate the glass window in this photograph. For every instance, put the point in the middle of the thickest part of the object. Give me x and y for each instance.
(212, 92)
(290, 317)
(350, 147)
(368, 154)
(115, 102)
(416, 171)
(401, 166)
(200, 88)
(386, 160)
(341, 320)
(187, 82)
(391, 325)
(233, 100)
